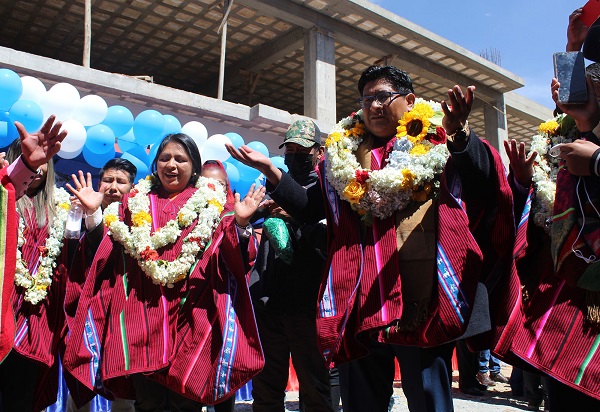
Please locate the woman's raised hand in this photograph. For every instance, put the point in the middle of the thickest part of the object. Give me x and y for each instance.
(245, 208)
(84, 191)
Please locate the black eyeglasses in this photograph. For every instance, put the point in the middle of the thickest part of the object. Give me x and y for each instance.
(382, 98)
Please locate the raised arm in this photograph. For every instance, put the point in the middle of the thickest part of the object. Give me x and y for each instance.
(39, 147)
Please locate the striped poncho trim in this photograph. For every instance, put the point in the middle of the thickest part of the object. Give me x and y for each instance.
(8, 259)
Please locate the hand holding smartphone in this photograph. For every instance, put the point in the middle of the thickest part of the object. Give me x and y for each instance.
(569, 69)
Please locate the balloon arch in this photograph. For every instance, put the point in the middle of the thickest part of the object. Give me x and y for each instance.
(94, 128)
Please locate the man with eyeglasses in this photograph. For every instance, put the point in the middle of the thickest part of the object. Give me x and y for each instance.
(404, 285)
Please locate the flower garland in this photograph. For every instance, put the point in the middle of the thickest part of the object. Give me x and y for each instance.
(205, 206)
(560, 129)
(413, 169)
(36, 286)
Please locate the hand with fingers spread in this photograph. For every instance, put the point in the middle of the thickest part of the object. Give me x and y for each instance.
(520, 163)
(257, 161)
(457, 112)
(83, 190)
(244, 209)
(39, 147)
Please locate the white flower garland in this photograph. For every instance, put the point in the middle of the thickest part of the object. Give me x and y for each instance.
(545, 168)
(36, 286)
(414, 166)
(205, 206)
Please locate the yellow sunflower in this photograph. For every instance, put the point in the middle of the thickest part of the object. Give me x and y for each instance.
(415, 124)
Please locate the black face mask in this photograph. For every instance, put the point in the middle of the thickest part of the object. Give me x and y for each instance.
(299, 164)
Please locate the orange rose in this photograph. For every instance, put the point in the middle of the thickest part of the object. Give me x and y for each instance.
(354, 191)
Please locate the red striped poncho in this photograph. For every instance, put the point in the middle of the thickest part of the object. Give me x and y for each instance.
(125, 324)
(556, 336)
(361, 294)
(40, 328)
(9, 224)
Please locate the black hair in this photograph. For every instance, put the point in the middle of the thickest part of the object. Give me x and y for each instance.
(189, 146)
(120, 164)
(397, 78)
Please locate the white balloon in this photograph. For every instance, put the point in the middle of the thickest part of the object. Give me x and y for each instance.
(69, 155)
(60, 100)
(33, 89)
(76, 135)
(197, 131)
(91, 110)
(214, 148)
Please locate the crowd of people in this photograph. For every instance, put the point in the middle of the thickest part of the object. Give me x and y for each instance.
(401, 238)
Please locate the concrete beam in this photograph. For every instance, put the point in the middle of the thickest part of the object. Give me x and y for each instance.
(367, 43)
(526, 109)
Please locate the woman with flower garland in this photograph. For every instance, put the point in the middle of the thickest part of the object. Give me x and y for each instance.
(419, 214)
(40, 281)
(166, 299)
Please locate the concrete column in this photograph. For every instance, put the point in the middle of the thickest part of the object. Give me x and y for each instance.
(319, 75)
(496, 129)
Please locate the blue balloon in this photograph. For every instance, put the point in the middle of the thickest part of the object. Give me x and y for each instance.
(260, 180)
(236, 139)
(28, 113)
(139, 153)
(247, 173)
(100, 139)
(119, 119)
(126, 141)
(8, 130)
(148, 127)
(259, 147)
(279, 162)
(11, 88)
(97, 159)
(142, 168)
(172, 125)
(243, 186)
(232, 173)
(153, 152)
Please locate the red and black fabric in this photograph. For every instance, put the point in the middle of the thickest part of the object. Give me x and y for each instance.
(9, 225)
(40, 328)
(361, 295)
(125, 324)
(556, 337)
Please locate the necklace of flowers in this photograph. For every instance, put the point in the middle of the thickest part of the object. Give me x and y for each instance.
(560, 129)
(205, 206)
(411, 173)
(36, 285)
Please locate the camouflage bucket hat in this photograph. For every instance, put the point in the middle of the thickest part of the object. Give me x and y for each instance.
(302, 132)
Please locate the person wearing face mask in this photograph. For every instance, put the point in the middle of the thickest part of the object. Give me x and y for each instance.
(284, 286)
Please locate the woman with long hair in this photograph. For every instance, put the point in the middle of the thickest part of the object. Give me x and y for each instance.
(37, 299)
(166, 298)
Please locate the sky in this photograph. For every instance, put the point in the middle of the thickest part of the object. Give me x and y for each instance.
(524, 32)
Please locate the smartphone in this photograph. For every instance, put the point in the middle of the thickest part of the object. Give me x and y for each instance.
(590, 12)
(569, 69)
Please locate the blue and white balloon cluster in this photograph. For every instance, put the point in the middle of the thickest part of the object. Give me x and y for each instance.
(94, 128)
